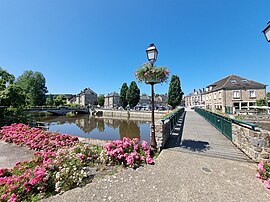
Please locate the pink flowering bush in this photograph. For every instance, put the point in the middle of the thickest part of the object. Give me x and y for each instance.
(264, 173)
(35, 138)
(61, 163)
(128, 152)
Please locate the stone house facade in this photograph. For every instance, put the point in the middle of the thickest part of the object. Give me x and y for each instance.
(112, 100)
(85, 98)
(194, 99)
(232, 94)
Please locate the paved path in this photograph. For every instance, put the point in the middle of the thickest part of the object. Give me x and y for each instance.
(11, 154)
(204, 167)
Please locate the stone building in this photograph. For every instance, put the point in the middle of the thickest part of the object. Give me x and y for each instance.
(161, 100)
(232, 94)
(145, 100)
(112, 100)
(85, 98)
(194, 99)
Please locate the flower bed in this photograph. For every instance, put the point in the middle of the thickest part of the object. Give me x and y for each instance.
(62, 162)
(264, 173)
(35, 138)
(150, 73)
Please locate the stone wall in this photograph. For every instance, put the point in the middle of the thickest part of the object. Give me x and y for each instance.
(132, 114)
(255, 144)
(162, 132)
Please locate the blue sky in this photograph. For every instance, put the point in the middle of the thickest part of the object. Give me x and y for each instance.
(99, 44)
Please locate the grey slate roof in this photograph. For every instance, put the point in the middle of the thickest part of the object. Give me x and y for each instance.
(233, 82)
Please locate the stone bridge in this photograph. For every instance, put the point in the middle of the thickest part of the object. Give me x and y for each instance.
(61, 111)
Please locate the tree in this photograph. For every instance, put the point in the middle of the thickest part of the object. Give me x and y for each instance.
(60, 100)
(175, 93)
(101, 100)
(123, 95)
(268, 94)
(5, 79)
(34, 85)
(13, 96)
(133, 94)
(49, 100)
(261, 102)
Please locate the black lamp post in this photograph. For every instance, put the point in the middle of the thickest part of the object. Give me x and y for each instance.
(266, 32)
(152, 53)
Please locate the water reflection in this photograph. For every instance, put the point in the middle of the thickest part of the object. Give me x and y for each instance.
(99, 128)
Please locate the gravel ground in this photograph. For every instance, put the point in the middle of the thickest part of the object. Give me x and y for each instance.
(11, 154)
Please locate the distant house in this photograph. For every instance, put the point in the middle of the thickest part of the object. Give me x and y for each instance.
(144, 100)
(85, 98)
(233, 93)
(161, 100)
(112, 100)
(194, 99)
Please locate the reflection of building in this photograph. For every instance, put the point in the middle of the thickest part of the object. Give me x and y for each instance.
(194, 99)
(84, 98)
(233, 93)
(113, 123)
(86, 124)
(129, 129)
(112, 100)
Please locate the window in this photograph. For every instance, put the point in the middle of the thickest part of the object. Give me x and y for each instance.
(252, 94)
(245, 81)
(210, 97)
(215, 96)
(206, 97)
(219, 95)
(236, 94)
(233, 81)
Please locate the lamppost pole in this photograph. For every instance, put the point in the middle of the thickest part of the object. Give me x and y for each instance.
(152, 53)
(153, 142)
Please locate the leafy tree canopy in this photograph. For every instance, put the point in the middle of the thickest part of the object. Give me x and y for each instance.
(261, 102)
(34, 85)
(123, 95)
(133, 94)
(101, 100)
(60, 100)
(175, 93)
(5, 79)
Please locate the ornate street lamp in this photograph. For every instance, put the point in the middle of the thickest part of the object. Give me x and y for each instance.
(152, 53)
(266, 32)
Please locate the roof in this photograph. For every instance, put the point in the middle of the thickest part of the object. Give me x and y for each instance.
(114, 94)
(87, 91)
(233, 82)
(196, 93)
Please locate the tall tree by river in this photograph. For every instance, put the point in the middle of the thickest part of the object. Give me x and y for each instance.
(34, 85)
(175, 93)
(133, 94)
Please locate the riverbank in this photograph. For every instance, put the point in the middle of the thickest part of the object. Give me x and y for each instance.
(131, 114)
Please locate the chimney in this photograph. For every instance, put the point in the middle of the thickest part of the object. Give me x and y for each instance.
(194, 90)
(203, 90)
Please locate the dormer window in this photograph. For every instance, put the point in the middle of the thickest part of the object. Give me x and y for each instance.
(233, 81)
(245, 81)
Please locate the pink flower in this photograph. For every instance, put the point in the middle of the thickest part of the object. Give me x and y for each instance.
(149, 160)
(267, 184)
(258, 175)
(4, 196)
(13, 197)
(144, 145)
(261, 166)
(130, 160)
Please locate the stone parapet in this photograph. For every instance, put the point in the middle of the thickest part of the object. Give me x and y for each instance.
(162, 133)
(255, 144)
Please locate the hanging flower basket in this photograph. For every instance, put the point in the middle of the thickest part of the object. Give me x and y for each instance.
(151, 74)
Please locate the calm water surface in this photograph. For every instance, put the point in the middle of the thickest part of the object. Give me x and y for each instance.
(98, 128)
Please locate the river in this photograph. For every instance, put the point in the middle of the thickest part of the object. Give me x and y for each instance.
(98, 128)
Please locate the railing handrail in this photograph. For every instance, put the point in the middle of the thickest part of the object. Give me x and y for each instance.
(253, 126)
(170, 116)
